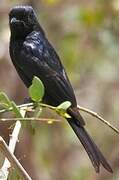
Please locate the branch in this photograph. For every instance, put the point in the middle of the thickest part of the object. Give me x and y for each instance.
(48, 120)
(94, 114)
(31, 105)
(19, 106)
(8, 152)
(14, 162)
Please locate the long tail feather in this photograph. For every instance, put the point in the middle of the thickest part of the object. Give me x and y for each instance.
(91, 148)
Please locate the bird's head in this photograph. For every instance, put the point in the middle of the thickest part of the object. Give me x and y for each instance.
(23, 20)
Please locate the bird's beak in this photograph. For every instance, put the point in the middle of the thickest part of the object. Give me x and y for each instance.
(14, 21)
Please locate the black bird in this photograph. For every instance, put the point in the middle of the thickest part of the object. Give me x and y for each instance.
(33, 55)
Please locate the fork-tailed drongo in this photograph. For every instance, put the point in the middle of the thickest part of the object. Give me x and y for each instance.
(33, 55)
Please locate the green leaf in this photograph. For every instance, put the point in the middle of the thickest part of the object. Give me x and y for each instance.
(65, 105)
(62, 109)
(4, 100)
(16, 110)
(36, 90)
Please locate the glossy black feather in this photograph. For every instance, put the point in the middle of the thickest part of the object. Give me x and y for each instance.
(33, 55)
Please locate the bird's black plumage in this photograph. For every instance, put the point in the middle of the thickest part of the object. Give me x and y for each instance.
(33, 55)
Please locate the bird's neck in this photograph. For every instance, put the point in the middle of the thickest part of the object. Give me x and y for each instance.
(17, 36)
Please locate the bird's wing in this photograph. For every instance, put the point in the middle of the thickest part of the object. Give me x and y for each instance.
(37, 59)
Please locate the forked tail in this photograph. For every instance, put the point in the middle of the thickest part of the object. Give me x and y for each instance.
(91, 148)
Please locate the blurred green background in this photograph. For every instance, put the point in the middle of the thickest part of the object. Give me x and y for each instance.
(85, 34)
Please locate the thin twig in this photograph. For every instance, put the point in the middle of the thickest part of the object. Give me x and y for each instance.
(30, 119)
(19, 106)
(12, 144)
(13, 160)
(8, 152)
(28, 105)
(94, 114)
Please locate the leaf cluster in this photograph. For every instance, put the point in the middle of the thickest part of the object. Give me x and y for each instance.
(36, 93)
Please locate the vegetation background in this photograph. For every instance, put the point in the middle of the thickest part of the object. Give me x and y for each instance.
(85, 34)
